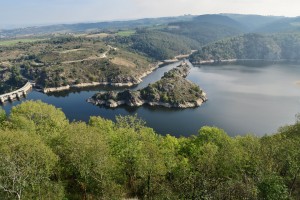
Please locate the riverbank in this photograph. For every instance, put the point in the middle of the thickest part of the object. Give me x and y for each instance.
(224, 61)
(140, 102)
(94, 84)
(173, 90)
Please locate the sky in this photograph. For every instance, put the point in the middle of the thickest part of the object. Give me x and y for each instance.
(14, 13)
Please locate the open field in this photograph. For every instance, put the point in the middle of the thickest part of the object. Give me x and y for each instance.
(125, 33)
(16, 41)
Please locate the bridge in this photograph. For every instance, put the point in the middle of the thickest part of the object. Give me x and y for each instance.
(17, 94)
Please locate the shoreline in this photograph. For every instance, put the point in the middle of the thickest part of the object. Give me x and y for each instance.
(201, 62)
(93, 84)
(115, 104)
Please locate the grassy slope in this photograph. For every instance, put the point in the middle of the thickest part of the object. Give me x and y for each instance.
(18, 41)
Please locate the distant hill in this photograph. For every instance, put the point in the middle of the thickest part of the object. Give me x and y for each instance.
(157, 44)
(252, 46)
(203, 28)
(220, 20)
(282, 25)
(207, 28)
(85, 27)
(253, 22)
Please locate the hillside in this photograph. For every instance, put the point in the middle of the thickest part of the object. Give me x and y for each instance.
(120, 58)
(157, 44)
(207, 28)
(63, 61)
(92, 27)
(282, 26)
(203, 28)
(253, 22)
(252, 46)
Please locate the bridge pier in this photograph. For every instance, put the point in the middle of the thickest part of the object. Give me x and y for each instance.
(16, 94)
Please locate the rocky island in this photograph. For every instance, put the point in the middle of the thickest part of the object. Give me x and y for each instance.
(173, 90)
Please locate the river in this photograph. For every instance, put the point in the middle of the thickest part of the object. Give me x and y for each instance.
(243, 98)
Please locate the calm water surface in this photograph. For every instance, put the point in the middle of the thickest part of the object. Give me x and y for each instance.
(243, 98)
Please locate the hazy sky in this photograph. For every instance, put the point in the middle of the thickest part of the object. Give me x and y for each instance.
(29, 12)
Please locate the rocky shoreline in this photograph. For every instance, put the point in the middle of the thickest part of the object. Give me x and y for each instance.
(214, 61)
(94, 84)
(172, 91)
(114, 104)
(234, 60)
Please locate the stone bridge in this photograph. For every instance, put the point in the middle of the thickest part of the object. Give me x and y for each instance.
(16, 94)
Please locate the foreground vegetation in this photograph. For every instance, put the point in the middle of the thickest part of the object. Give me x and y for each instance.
(43, 156)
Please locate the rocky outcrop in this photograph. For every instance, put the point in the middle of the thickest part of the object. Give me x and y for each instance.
(173, 90)
(134, 99)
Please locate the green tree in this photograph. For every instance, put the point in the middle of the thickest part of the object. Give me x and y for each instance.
(2, 116)
(87, 164)
(26, 168)
(140, 160)
(272, 187)
(45, 120)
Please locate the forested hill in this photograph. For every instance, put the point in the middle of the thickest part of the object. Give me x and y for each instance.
(282, 25)
(252, 46)
(254, 22)
(44, 156)
(207, 28)
(96, 26)
(157, 44)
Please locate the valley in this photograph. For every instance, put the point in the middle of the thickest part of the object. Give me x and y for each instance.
(72, 67)
(182, 107)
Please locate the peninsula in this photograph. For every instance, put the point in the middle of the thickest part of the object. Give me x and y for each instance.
(172, 91)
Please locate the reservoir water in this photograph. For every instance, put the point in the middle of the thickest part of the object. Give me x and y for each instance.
(243, 98)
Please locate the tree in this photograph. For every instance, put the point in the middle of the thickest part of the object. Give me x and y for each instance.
(2, 116)
(140, 159)
(45, 120)
(26, 167)
(87, 165)
(272, 187)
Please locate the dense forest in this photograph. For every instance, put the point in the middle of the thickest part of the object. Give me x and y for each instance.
(157, 44)
(283, 46)
(44, 156)
(207, 28)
